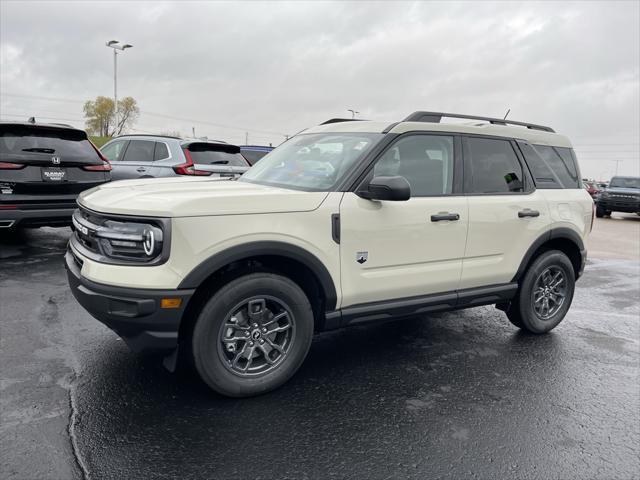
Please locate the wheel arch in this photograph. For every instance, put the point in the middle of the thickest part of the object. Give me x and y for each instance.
(289, 260)
(566, 240)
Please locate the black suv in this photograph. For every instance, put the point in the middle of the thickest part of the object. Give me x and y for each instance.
(43, 168)
(622, 195)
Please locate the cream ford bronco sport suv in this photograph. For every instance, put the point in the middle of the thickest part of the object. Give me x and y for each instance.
(345, 223)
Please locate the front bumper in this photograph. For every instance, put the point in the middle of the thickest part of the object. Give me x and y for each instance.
(614, 205)
(134, 314)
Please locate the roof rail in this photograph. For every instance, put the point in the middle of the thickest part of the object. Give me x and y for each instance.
(146, 135)
(436, 117)
(338, 120)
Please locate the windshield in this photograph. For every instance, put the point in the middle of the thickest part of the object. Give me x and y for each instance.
(312, 162)
(620, 182)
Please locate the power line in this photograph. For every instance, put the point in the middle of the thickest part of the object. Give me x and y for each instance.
(142, 112)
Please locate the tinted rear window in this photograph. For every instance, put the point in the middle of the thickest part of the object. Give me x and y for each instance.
(552, 167)
(214, 154)
(253, 156)
(22, 142)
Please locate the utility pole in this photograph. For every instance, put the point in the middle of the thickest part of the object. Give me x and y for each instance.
(115, 44)
(193, 132)
(617, 163)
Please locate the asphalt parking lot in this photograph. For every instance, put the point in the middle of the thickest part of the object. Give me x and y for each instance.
(457, 395)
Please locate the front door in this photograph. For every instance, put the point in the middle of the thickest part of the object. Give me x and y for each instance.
(392, 250)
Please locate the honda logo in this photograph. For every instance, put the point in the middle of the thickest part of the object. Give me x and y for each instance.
(55, 160)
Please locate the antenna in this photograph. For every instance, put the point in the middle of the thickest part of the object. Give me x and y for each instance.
(506, 114)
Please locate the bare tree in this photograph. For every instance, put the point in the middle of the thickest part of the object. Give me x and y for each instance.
(101, 119)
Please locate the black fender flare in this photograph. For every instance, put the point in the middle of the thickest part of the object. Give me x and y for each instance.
(555, 233)
(253, 249)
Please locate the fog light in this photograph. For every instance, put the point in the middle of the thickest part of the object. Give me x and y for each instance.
(170, 303)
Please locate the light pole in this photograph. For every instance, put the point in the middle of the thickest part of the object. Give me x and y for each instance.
(353, 113)
(115, 44)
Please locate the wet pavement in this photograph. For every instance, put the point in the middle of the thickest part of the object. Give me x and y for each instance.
(456, 395)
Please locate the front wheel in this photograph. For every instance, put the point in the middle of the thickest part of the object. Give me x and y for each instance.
(252, 335)
(545, 293)
(601, 212)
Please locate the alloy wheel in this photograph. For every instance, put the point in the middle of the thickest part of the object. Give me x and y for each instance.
(256, 336)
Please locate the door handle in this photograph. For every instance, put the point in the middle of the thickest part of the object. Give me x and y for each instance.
(441, 217)
(141, 169)
(527, 212)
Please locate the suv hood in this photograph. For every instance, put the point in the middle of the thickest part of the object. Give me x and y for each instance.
(626, 191)
(192, 197)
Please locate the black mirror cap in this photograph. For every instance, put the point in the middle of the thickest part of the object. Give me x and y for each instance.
(395, 188)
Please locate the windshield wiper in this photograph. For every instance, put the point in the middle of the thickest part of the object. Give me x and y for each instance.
(39, 150)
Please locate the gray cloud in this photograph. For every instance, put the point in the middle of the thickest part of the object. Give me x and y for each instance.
(276, 68)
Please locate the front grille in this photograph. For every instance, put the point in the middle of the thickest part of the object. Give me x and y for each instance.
(623, 196)
(85, 226)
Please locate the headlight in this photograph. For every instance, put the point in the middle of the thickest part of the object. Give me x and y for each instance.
(604, 194)
(125, 240)
(130, 240)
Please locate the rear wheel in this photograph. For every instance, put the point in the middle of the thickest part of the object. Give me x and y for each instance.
(252, 335)
(545, 293)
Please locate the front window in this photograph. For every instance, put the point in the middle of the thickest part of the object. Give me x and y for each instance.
(621, 182)
(312, 162)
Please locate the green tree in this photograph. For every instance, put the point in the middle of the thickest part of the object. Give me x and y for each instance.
(101, 118)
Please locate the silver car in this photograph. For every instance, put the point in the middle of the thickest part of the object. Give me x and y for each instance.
(147, 156)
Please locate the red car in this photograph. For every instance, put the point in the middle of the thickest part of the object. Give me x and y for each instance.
(591, 188)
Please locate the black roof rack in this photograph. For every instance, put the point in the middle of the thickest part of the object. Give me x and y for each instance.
(338, 120)
(146, 135)
(436, 117)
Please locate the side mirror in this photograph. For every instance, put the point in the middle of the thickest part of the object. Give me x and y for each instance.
(394, 188)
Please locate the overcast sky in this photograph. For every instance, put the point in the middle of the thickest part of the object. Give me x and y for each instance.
(272, 69)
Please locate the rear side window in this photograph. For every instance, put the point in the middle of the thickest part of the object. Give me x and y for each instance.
(139, 151)
(494, 166)
(216, 154)
(552, 167)
(23, 142)
(162, 152)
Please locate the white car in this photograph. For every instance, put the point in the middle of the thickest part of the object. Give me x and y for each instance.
(347, 222)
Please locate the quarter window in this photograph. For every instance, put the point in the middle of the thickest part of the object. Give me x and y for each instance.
(139, 151)
(551, 167)
(494, 166)
(426, 161)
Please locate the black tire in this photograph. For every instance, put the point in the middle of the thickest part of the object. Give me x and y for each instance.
(215, 362)
(522, 312)
(600, 212)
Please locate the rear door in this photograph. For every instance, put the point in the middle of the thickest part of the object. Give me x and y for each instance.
(137, 161)
(220, 159)
(506, 213)
(41, 161)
